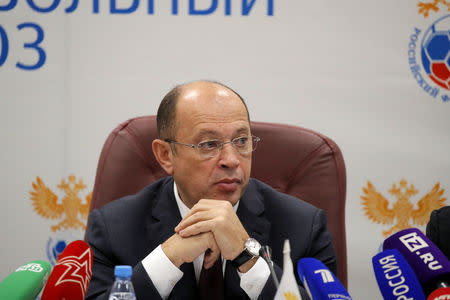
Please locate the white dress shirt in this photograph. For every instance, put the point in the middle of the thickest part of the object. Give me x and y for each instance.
(165, 275)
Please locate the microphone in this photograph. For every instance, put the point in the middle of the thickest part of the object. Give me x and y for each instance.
(440, 294)
(70, 277)
(319, 281)
(429, 264)
(395, 277)
(266, 254)
(26, 282)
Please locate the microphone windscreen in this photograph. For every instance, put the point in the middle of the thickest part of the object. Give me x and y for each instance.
(395, 277)
(319, 281)
(428, 262)
(70, 277)
(26, 282)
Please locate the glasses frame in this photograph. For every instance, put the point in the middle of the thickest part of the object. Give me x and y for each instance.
(214, 152)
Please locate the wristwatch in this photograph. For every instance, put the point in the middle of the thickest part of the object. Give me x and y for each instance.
(251, 250)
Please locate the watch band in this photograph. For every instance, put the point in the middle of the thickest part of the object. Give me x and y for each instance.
(251, 250)
(241, 259)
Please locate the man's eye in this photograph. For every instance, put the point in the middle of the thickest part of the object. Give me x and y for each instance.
(241, 141)
(208, 145)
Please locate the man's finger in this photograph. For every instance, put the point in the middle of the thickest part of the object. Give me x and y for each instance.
(196, 228)
(209, 261)
(202, 205)
(207, 204)
(212, 254)
(194, 218)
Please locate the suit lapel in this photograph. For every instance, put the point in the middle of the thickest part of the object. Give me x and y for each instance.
(164, 217)
(233, 289)
(186, 287)
(251, 214)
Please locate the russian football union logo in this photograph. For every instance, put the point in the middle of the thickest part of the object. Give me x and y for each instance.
(435, 52)
(429, 52)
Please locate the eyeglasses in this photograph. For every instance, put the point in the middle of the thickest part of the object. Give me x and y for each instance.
(208, 149)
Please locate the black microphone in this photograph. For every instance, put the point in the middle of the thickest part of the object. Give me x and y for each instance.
(266, 254)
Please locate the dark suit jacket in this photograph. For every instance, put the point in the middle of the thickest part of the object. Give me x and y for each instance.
(438, 229)
(125, 231)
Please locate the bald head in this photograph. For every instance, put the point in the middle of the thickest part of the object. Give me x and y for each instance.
(191, 95)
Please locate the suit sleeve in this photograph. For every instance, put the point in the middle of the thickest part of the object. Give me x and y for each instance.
(99, 239)
(432, 228)
(321, 242)
(438, 229)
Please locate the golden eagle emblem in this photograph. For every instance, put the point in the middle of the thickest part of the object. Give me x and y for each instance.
(45, 203)
(375, 206)
(425, 7)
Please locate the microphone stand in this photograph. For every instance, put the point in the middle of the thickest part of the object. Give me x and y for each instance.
(266, 254)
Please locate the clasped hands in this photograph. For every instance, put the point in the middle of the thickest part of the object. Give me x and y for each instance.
(210, 224)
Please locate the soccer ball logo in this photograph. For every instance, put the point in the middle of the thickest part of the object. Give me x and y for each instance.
(435, 50)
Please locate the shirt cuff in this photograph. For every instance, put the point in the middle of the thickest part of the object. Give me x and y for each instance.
(163, 273)
(254, 280)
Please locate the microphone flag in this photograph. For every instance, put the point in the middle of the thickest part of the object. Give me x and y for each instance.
(26, 282)
(288, 288)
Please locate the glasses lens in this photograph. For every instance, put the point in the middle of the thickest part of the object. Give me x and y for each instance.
(209, 148)
(243, 145)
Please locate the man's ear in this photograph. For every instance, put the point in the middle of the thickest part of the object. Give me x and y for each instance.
(163, 154)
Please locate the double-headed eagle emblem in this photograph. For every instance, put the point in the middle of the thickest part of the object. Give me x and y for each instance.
(45, 203)
(376, 206)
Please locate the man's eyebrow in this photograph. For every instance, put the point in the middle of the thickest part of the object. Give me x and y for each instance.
(243, 130)
(210, 132)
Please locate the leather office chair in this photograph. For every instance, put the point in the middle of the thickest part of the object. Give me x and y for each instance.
(293, 160)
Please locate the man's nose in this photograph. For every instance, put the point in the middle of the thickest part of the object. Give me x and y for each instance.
(229, 156)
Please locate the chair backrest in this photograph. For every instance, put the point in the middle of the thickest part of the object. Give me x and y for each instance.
(291, 159)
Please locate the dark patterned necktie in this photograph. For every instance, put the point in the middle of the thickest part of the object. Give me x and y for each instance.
(210, 284)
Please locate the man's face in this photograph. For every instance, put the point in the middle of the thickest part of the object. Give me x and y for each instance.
(204, 112)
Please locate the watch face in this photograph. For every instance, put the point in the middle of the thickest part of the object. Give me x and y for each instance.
(252, 246)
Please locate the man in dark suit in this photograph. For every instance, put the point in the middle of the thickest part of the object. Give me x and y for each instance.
(208, 213)
(438, 229)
